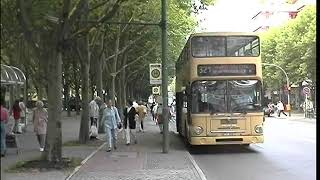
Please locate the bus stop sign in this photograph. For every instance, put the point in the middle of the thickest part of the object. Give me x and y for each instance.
(306, 91)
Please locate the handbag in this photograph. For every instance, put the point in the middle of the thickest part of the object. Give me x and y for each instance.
(93, 131)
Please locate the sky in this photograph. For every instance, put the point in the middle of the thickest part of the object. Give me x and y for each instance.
(229, 15)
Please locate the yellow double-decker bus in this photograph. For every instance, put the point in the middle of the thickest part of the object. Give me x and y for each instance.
(219, 89)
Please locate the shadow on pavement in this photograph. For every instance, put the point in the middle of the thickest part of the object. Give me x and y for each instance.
(221, 149)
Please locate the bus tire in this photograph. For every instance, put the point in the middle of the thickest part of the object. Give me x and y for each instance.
(185, 138)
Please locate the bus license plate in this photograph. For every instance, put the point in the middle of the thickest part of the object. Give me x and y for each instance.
(231, 121)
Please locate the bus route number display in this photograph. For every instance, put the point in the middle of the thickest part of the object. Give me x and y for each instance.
(226, 70)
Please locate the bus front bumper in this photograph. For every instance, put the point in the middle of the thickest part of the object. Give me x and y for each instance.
(226, 140)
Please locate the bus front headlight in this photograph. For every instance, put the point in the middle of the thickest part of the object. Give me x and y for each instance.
(258, 129)
(198, 130)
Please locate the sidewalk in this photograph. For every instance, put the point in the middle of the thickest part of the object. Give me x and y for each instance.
(29, 149)
(144, 160)
(295, 116)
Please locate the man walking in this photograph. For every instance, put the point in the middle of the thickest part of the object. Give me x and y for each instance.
(94, 111)
(280, 108)
(94, 114)
(111, 120)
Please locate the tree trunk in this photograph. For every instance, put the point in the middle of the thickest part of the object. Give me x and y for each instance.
(84, 126)
(99, 69)
(123, 87)
(77, 93)
(66, 88)
(84, 54)
(114, 67)
(53, 146)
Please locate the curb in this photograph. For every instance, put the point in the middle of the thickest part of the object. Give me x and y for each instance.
(76, 169)
(195, 165)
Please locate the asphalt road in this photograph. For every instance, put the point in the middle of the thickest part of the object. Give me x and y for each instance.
(288, 153)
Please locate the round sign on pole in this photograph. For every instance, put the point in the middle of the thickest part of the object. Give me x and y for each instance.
(306, 90)
(155, 73)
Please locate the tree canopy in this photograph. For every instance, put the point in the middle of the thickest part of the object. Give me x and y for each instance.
(292, 47)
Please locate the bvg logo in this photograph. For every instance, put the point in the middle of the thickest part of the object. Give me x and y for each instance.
(155, 73)
(156, 90)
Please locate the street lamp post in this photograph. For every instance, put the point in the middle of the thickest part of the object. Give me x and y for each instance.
(164, 42)
(288, 83)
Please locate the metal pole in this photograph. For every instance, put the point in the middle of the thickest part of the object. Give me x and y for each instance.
(288, 84)
(305, 106)
(25, 104)
(165, 146)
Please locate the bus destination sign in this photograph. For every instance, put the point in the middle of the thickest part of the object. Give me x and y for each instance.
(226, 70)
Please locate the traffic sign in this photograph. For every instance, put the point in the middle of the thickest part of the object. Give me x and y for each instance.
(156, 90)
(155, 73)
(306, 91)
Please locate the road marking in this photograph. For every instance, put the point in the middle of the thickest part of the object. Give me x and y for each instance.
(76, 169)
(201, 174)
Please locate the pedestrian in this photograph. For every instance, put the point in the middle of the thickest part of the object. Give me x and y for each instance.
(280, 108)
(154, 111)
(40, 120)
(172, 113)
(159, 115)
(111, 120)
(94, 114)
(101, 128)
(94, 111)
(151, 110)
(130, 123)
(142, 111)
(16, 115)
(23, 110)
(4, 120)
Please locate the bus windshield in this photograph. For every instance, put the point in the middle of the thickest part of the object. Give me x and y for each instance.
(226, 96)
(225, 46)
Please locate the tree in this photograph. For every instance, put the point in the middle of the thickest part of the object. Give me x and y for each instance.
(293, 47)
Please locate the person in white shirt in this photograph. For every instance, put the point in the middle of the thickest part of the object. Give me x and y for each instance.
(280, 108)
(94, 114)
